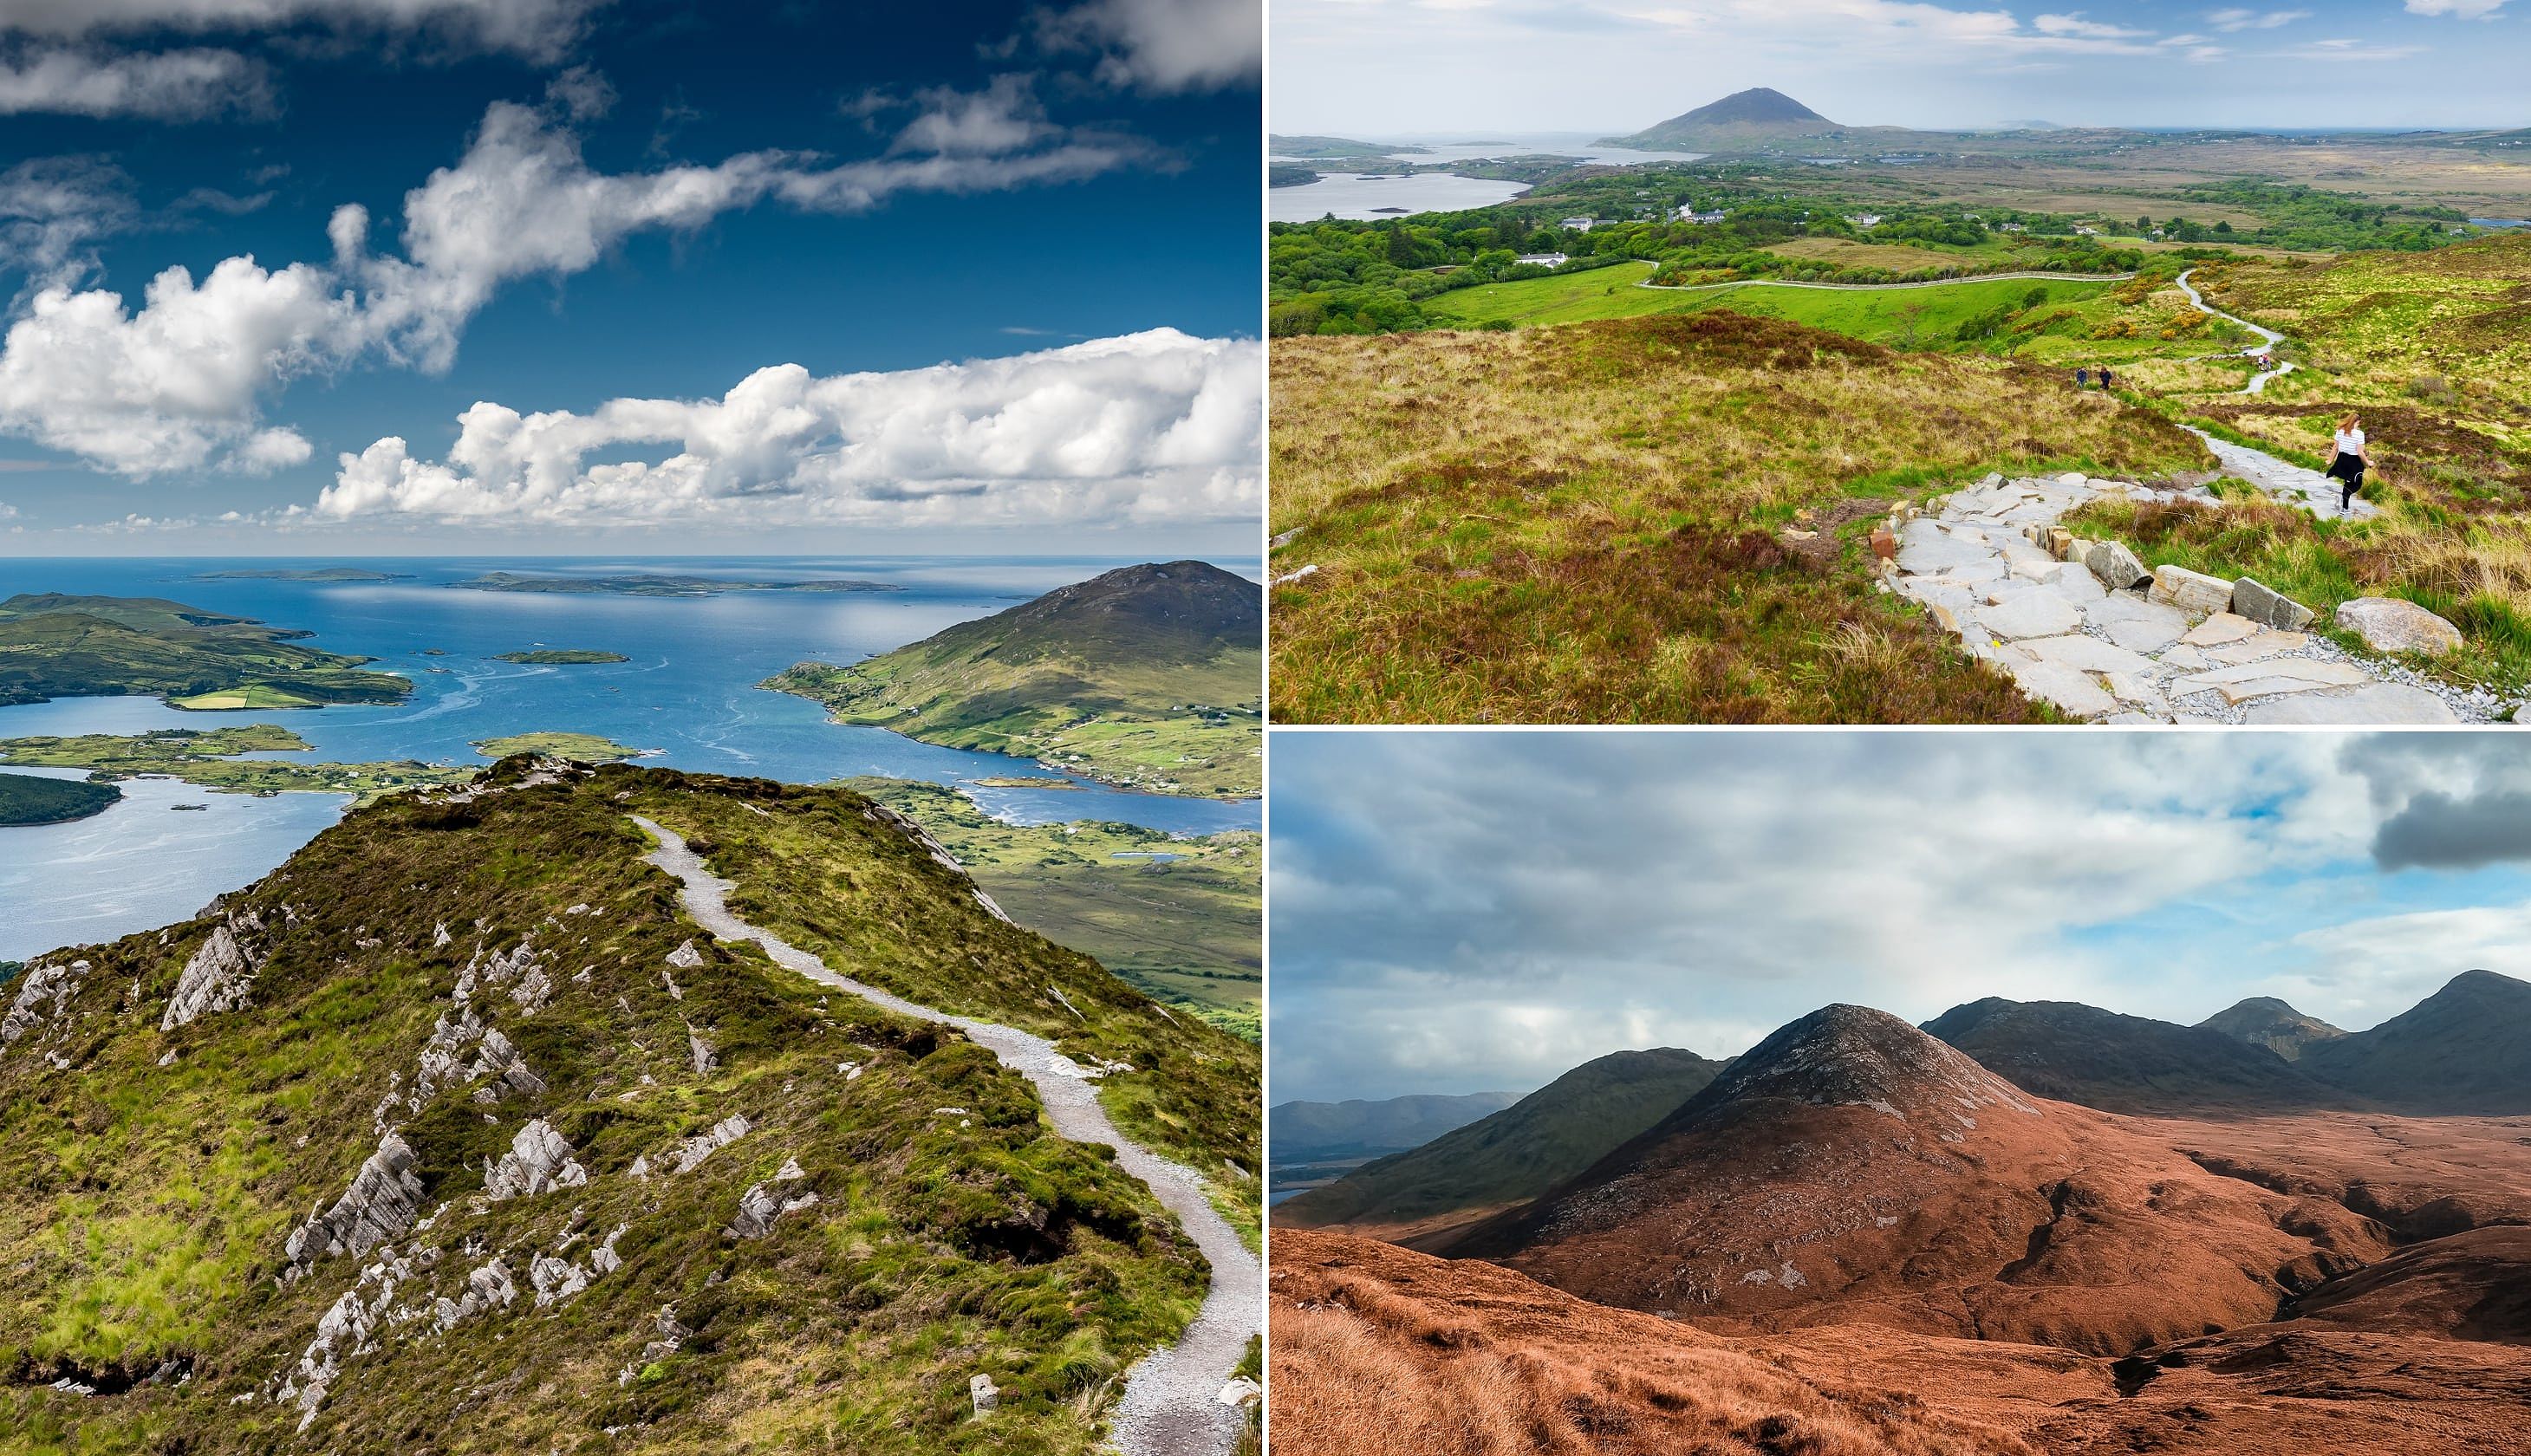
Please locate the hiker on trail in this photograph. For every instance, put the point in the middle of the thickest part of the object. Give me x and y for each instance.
(2083, 378)
(2348, 461)
(2105, 376)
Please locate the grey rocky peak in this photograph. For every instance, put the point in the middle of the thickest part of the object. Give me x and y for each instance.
(383, 1203)
(43, 993)
(538, 1161)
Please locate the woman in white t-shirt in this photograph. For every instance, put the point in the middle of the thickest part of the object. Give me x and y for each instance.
(2346, 460)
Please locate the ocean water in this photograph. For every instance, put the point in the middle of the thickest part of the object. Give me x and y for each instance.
(1356, 196)
(688, 693)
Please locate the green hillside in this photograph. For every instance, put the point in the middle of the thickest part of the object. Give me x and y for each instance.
(1515, 1154)
(53, 645)
(464, 1042)
(1146, 677)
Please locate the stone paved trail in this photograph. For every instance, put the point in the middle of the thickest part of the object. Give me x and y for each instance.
(1170, 1406)
(2268, 338)
(2118, 657)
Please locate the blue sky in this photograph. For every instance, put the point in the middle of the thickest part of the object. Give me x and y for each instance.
(1603, 66)
(1478, 912)
(605, 219)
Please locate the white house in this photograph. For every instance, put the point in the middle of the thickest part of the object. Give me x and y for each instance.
(1543, 260)
(1864, 219)
(1575, 224)
(1687, 213)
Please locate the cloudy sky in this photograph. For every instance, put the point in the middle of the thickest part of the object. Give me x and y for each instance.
(317, 276)
(1476, 911)
(1615, 66)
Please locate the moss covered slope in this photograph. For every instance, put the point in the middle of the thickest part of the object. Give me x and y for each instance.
(405, 1121)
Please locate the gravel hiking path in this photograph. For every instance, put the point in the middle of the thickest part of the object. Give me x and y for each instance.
(2268, 338)
(1170, 1406)
(2119, 657)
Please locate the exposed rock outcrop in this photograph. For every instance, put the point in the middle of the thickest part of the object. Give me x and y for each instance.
(538, 1161)
(217, 975)
(381, 1204)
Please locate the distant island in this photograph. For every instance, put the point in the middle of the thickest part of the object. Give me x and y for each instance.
(1146, 678)
(580, 748)
(211, 758)
(560, 658)
(57, 646)
(324, 573)
(652, 584)
(27, 799)
(1335, 149)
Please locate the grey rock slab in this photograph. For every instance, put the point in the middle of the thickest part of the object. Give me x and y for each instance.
(2258, 647)
(2248, 680)
(2269, 607)
(2135, 624)
(2035, 615)
(2193, 593)
(2219, 629)
(2086, 654)
(2072, 691)
(1940, 554)
(2390, 625)
(2076, 585)
(2115, 564)
(2184, 660)
(2138, 688)
(2375, 703)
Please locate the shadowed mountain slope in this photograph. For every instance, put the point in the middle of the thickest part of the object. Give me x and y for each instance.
(1516, 1153)
(2079, 1054)
(2465, 1049)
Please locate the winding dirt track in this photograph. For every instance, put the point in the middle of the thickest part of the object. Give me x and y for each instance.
(1170, 1405)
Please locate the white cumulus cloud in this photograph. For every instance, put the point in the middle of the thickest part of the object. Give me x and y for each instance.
(179, 382)
(1165, 46)
(164, 85)
(1154, 426)
(2466, 10)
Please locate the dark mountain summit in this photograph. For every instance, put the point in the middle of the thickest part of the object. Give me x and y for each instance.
(1742, 120)
(1146, 616)
(1518, 1153)
(2465, 1049)
(2265, 1020)
(1758, 105)
(2079, 1054)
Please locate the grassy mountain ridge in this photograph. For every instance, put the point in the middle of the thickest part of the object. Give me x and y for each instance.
(56, 646)
(2464, 1049)
(1356, 1126)
(2265, 1020)
(1514, 1154)
(1146, 676)
(153, 1168)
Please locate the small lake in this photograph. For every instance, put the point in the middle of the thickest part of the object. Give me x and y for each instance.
(2501, 222)
(688, 693)
(1362, 197)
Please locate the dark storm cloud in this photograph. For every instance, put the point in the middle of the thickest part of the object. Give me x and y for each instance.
(2445, 831)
